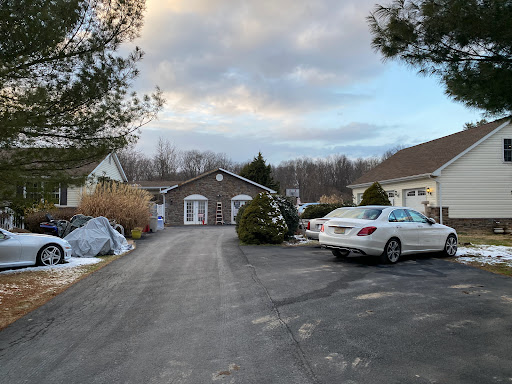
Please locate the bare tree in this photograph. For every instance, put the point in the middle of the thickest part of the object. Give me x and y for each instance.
(166, 160)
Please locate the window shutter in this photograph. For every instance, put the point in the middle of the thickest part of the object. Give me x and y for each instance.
(63, 195)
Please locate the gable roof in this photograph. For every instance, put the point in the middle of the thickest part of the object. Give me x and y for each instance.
(425, 159)
(154, 184)
(117, 163)
(217, 170)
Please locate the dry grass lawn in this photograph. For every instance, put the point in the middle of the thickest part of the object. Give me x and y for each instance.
(24, 291)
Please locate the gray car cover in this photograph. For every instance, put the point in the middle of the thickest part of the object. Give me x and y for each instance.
(96, 238)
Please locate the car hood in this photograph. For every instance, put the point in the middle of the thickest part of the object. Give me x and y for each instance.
(37, 235)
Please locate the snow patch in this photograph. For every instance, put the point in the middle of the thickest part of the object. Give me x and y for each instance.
(486, 254)
(72, 263)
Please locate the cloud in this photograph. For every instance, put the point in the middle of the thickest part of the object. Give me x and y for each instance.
(290, 78)
(265, 58)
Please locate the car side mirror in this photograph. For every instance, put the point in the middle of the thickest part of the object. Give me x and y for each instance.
(431, 220)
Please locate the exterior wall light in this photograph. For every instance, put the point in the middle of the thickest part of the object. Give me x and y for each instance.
(429, 190)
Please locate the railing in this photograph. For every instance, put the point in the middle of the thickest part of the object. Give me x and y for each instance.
(9, 219)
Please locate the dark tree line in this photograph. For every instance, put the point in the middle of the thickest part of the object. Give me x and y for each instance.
(172, 164)
(318, 177)
(314, 177)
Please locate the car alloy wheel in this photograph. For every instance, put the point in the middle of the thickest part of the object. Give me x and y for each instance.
(392, 251)
(450, 247)
(50, 255)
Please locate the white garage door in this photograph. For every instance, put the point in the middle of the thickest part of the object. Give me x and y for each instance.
(414, 197)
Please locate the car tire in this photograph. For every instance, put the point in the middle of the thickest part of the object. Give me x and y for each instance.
(339, 254)
(450, 246)
(50, 255)
(392, 251)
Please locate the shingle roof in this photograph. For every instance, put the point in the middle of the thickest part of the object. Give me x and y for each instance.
(427, 157)
(156, 183)
(223, 170)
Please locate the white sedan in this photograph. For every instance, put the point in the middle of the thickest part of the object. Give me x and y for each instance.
(22, 249)
(388, 232)
(314, 225)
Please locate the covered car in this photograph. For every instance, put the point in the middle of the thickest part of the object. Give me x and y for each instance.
(96, 238)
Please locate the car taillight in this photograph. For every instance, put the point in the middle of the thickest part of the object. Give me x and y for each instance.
(309, 225)
(366, 231)
(322, 229)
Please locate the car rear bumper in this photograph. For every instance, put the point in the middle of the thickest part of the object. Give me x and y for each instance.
(312, 234)
(363, 245)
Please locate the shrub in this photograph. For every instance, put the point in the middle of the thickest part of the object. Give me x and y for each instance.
(239, 216)
(319, 210)
(289, 212)
(375, 195)
(331, 199)
(262, 222)
(123, 203)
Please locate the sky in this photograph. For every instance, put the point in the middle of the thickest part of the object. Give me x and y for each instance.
(287, 78)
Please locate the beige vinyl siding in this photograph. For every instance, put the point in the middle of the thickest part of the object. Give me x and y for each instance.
(74, 196)
(109, 169)
(402, 187)
(479, 184)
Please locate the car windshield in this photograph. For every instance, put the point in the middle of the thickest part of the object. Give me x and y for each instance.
(337, 212)
(363, 213)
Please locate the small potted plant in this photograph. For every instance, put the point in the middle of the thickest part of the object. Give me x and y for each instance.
(136, 233)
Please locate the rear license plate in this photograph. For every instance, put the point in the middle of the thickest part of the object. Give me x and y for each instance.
(319, 226)
(339, 231)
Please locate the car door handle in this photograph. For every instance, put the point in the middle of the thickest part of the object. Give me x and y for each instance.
(399, 226)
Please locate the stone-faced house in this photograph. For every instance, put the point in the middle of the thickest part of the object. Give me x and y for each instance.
(462, 180)
(211, 198)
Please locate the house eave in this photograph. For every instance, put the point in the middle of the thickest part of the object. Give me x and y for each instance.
(391, 181)
(438, 171)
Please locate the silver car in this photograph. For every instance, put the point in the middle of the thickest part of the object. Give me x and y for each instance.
(314, 225)
(388, 232)
(22, 249)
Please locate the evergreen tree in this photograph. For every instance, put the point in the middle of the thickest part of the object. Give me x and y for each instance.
(259, 172)
(467, 43)
(262, 222)
(375, 195)
(62, 85)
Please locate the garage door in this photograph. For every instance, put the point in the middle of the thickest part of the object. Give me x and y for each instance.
(414, 197)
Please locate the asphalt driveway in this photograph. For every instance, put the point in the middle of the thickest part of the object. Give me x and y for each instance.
(191, 306)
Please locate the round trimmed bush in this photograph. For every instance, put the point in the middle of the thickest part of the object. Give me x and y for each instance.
(375, 195)
(262, 222)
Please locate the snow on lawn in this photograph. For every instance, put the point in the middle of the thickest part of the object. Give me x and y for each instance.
(73, 262)
(298, 240)
(487, 254)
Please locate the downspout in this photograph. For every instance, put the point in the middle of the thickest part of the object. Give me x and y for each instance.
(163, 197)
(440, 198)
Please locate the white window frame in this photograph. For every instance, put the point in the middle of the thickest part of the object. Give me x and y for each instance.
(196, 201)
(507, 151)
(243, 199)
